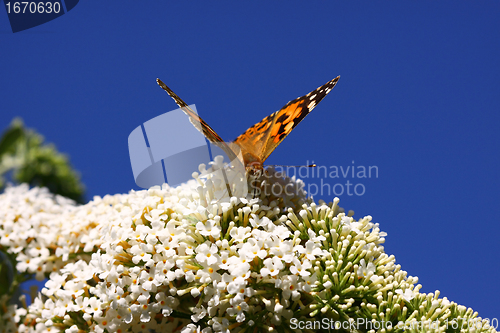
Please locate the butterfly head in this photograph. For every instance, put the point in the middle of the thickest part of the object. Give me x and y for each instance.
(254, 168)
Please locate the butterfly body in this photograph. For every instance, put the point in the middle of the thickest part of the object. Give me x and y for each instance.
(260, 140)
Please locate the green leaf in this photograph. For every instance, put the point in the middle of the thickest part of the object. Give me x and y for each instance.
(6, 274)
(11, 137)
(46, 167)
(38, 164)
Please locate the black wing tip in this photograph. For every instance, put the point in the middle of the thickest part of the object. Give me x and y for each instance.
(331, 84)
(165, 87)
(334, 80)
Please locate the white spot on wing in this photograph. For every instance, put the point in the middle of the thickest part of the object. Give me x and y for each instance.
(311, 105)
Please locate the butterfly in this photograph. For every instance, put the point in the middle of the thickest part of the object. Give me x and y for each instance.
(260, 140)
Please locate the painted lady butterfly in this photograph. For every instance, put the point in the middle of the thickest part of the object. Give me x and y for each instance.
(260, 140)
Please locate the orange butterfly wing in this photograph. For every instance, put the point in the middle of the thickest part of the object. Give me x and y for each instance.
(260, 140)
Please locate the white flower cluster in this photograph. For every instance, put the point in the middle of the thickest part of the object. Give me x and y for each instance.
(44, 231)
(192, 259)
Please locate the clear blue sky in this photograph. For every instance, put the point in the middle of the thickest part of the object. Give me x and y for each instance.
(418, 97)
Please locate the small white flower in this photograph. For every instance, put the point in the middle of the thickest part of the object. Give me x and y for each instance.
(256, 222)
(239, 234)
(290, 286)
(236, 286)
(309, 282)
(407, 295)
(253, 248)
(238, 309)
(367, 269)
(313, 237)
(209, 228)
(207, 254)
(141, 252)
(199, 313)
(311, 251)
(300, 268)
(209, 274)
(272, 266)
